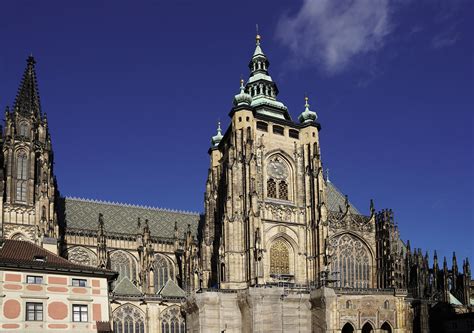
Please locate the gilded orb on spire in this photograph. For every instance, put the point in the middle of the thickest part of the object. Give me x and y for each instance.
(258, 37)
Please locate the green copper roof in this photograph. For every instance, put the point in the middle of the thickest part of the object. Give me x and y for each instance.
(126, 287)
(216, 139)
(307, 116)
(242, 98)
(453, 300)
(262, 88)
(171, 289)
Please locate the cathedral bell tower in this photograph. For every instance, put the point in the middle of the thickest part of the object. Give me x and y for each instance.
(264, 203)
(26, 175)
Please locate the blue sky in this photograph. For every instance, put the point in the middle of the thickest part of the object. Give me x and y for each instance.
(133, 91)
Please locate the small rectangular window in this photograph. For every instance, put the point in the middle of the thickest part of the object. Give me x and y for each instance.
(34, 311)
(33, 279)
(262, 126)
(278, 130)
(294, 134)
(79, 282)
(79, 313)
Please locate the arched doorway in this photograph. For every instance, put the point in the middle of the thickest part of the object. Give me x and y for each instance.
(347, 328)
(386, 327)
(367, 328)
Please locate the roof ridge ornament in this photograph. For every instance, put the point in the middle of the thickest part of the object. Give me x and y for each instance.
(104, 202)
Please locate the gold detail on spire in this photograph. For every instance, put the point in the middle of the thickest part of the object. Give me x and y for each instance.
(257, 37)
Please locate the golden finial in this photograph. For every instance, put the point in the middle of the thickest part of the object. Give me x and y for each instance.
(258, 37)
(306, 99)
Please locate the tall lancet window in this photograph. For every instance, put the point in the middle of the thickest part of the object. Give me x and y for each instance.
(163, 271)
(279, 258)
(124, 264)
(278, 178)
(21, 177)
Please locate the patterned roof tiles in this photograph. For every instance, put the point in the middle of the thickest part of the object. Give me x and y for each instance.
(122, 218)
(126, 287)
(171, 289)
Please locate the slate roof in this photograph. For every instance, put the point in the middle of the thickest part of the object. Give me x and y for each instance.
(126, 287)
(171, 289)
(336, 199)
(20, 254)
(122, 218)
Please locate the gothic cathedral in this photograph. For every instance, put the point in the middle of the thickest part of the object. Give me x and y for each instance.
(278, 248)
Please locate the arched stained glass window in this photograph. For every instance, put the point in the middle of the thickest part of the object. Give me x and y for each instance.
(279, 258)
(172, 321)
(351, 258)
(124, 264)
(164, 271)
(21, 176)
(128, 319)
(271, 188)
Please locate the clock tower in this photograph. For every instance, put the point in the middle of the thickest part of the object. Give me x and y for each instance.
(264, 203)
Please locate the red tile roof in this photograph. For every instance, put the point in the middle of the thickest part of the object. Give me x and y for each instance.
(26, 255)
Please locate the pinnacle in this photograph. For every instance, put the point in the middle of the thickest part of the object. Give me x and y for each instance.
(27, 100)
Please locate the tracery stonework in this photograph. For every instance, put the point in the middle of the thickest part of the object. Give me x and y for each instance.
(351, 260)
(128, 318)
(277, 169)
(79, 255)
(172, 321)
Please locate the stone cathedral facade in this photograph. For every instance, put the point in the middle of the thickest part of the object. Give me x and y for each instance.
(277, 249)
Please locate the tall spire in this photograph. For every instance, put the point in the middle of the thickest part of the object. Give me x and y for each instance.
(27, 100)
(261, 86)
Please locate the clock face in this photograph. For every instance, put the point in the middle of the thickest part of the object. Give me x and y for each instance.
(277, 170)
